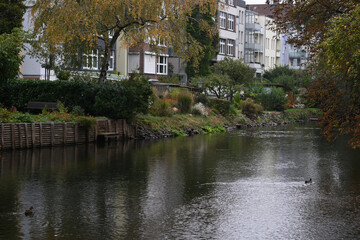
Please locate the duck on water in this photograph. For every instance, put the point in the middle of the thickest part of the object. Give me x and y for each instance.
(29, 211)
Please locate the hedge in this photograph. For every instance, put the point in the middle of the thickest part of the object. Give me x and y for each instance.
(220, 105)
(113, 99)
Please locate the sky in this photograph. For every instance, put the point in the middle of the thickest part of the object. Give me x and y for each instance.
(255, 1)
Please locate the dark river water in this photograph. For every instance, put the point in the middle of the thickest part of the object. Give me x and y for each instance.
(240, 185)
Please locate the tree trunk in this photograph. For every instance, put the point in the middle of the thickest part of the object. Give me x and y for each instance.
(108, 46)
(104, 65)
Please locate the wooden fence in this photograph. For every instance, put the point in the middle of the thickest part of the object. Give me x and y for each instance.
(30, 135)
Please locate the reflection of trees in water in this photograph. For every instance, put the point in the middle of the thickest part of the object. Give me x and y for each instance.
(69, 189)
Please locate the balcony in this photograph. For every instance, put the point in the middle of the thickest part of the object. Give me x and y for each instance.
(278, 53)
(253, 27)
(297, 54)
(255, 65)
(254, 46)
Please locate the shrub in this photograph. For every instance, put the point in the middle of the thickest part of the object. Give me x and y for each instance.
(254, 90)
(215, 130)
(273, 100)
(220, 105)
(170, 79)
(5, 115)
(237, 100)
(200, 98)
(63, 75)
(113, 99)
(87, 122)
(21, 117)
(13, 116)
(250, 108)
(78, 110)
(160, 108)
(199, 109)
(179, 133)
(185, 102)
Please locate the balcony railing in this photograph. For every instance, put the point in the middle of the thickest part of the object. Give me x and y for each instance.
(254, 46)
(278, 53)
(253, 26)
(297, 54)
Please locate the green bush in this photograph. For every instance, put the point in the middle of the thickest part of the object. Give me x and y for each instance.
(185, 102)
(200, 98)
(250, 108)
(214, 130)
(5, 115)
(63, 75)
(237, 100)
(273, 99)
(78, 110)
(113, 99)
(87, 122)
(21, 117)
(254, 90)
(10, 58)
(220, 105)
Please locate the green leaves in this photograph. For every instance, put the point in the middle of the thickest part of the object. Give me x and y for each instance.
(227, 77)
(10, 59)
(113, 100)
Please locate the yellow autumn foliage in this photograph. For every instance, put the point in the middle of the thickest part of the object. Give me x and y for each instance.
(77, 23)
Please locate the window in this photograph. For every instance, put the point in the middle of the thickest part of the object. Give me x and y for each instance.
(222, 46)
(90, 61)
(162, 65)
(231, 22)
(230, 47)
(111, 33)
(111, 61)
(222, 20)
(231, 2)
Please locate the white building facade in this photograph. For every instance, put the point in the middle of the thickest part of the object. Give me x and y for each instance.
(227, 19)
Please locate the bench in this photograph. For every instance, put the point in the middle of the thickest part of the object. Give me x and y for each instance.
(41, 105)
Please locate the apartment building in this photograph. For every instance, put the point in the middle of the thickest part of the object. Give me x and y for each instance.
(272, 44)
(254, 42)
(241, 22)
(227, 20)
(285, 54)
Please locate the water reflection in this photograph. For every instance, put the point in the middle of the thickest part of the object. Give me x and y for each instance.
(242, 185)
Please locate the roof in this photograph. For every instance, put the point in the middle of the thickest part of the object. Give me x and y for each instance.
(263, 9)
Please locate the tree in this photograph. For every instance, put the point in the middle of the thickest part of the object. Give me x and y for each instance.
(340, 98)
(82, 23)
(330, 30)
(207, 37)
(238, 73)
(226, 78)
(305, 22)
(12, 12)
(10, 60)
(289, 78)
(216, 84)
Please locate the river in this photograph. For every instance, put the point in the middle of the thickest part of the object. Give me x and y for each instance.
(246, 184)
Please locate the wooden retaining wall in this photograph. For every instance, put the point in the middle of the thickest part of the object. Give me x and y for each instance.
(31, 135)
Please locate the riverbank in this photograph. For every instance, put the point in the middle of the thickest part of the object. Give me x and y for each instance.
(30, 135)
(150, 127)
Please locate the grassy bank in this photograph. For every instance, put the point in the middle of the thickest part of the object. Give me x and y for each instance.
(187, 124)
